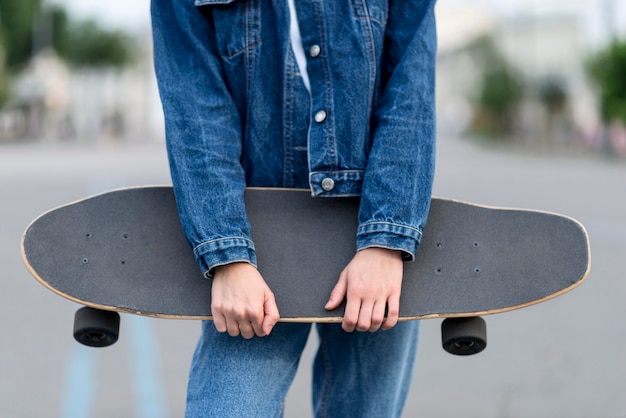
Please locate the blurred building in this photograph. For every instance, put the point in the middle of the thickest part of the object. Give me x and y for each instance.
(545, 47)
(51, 102)
(545, 51)
(458, 73)
(39, 102)
(549, 51)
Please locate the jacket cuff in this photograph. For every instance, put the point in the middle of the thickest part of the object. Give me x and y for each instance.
(224, 251)
(389, 236)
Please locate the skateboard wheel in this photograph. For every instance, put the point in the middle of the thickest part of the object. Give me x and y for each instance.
(96, 328)
(464, 336)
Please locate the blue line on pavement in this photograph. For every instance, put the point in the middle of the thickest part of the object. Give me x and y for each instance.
(148, 385)
(81, 375)
(79, 392)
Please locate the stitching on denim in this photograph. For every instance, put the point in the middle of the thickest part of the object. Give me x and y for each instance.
(249, 16)
(329, 127)
(368, 36)
(244, 50)
(381, 226)
(288, 158)
(230, 242)
(362, 11)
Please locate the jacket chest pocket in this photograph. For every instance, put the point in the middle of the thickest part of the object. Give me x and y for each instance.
(236, 22)
(375, 10)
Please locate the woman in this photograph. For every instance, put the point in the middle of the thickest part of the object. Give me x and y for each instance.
(339, 100)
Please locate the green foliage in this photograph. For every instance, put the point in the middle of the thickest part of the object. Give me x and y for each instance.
(499, 92)
(608, 69)
(26, 25)
(86, 44)
(16, 29)
(4, 88)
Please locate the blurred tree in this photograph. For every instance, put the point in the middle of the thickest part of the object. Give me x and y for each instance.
(608, 70)
(86, 44)
(498, 97)
(16, 30)
(27, 26)
(4, 87)
(4, 79)
(553, 95)
(499, 91)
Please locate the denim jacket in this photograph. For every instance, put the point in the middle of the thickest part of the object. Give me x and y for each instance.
(237, 113)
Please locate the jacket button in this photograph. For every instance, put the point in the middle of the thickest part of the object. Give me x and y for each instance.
(314, 51)
(328, 184)
(320, 116)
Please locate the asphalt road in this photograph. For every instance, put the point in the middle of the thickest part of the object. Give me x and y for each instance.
(563, 358)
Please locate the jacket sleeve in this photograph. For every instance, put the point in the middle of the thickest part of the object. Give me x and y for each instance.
(400, 166)
(203, 134)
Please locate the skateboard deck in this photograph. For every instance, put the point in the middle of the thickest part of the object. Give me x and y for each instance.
(125, 251)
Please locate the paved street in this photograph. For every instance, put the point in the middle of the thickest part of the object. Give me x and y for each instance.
(563, 358)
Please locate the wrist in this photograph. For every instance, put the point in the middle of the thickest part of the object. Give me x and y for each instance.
(235, 265)
(382, 251)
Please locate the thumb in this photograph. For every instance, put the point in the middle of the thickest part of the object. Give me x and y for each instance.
(338, 293)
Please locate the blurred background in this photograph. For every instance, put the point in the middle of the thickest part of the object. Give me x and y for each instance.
(531, 113)
(74, 71)
(522, 72)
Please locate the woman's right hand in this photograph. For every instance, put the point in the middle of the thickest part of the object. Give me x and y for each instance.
(242, 303)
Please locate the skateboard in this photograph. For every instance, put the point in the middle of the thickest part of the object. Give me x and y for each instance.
(124, 251)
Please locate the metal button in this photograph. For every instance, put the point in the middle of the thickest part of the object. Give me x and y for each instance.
(320, 116)
(328, 184)
(314, 51)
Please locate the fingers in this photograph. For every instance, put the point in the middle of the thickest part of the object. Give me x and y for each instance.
(246, 323)
(271, 316)
(378, 317)
(338, 293)
(359, 314)
(370, 316)
(250, 324)
(371, 285)
(242, 304)
(393, 313)
(351, 315)
(235, 328)
(219, 320)
(361, 317)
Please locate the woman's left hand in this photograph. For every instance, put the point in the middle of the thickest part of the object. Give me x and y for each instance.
(371, 284)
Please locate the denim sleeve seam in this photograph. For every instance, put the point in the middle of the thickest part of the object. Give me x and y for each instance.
(221, 251)
(390, 227)
(407, 245)
(407, 255)
(223, 243)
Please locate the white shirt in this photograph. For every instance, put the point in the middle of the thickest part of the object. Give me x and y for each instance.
(296, 44)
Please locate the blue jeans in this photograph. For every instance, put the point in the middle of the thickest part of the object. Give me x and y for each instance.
(354, 374)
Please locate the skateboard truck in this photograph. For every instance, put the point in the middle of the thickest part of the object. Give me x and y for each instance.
(464, 336)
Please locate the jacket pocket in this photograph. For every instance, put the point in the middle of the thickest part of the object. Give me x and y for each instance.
(236, 23)
(375, 10)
